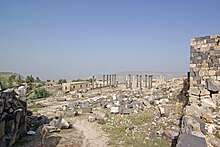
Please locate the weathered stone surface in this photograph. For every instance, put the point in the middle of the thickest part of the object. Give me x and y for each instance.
(124, 110)
(189, 140)
(59, 123)
(2, 129)
(114, 110)
(208, 102)
(211, 85)
(21, 91)
(153, 134)
(91, 119)
(50, 129)
(194, 91)
(74, 113)
(171, 133)
(3, 142)
(87, 109)
(162, 111)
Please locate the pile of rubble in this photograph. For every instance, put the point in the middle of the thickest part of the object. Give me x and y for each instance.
(13, 116)
(116, 103)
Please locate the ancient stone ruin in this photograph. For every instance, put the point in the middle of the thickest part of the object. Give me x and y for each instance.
(13, 118)
(200, 124)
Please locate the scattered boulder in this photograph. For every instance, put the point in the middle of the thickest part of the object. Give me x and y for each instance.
(31, 133)
(114, 110)
(189, 140)
(60, 99)
(91, 119)
(60, 123)
(74, 113)
(162, 111)
(101, 121)
(86, 109)
(171, 133)
(21, 91)
(153, 134)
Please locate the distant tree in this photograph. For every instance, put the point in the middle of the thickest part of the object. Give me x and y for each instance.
(38, 80)
(4, 81)
(61, 81)
(29, 79)
(48, 80)
(77, 80)
(19, 81)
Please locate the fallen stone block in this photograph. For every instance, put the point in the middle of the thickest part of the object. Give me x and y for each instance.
(86, 109)
(61, 99)
(91, 119)
(189, 140)
(114, 110)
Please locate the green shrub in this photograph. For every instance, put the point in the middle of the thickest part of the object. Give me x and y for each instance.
(39, 93)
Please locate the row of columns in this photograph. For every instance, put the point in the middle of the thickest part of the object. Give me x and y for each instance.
(109, 80)
(148, 81)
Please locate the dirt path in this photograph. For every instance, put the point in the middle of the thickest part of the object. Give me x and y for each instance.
(89, 134)
(93, 135)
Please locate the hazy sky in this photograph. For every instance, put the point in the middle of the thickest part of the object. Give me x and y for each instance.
(75, 38)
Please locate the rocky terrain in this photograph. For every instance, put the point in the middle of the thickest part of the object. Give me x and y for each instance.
(107, 117)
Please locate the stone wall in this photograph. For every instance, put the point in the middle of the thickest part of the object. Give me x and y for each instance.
(13, 117)
(204, 59)
(201, 122)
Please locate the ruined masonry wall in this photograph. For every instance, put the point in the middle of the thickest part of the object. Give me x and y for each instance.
(200, 122)
(13, 118)
(204, 59)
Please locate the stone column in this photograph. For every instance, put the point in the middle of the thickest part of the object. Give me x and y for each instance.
(93, 82)
(126, 81)
(145, 81)
(137, 81)
(115, 80)
(110, 80)
(103, 85)
(150, 81)
(130, 82)
(107, 79)
(141, 82)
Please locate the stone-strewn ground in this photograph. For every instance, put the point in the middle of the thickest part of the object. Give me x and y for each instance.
(108, 117)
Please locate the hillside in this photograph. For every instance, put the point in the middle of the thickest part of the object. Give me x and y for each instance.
(8, 74)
